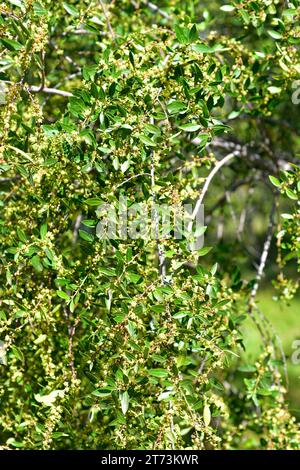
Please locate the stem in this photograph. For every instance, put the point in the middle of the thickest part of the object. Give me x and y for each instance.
(215, 170)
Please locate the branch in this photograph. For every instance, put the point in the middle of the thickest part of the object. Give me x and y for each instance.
(263, 258)
(107, 19)
(161, 254)
(215, 170)
(8, 180)
(76, 228)
(51, 91)
(72, 330)
(132, 177)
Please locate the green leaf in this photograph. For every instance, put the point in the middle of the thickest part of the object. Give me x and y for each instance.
(275, 181)
(17, 353)
(152, 129)
(36, 263)
(274, 34)
(89, 71)
(203, 251)
(133, 277)
(43, 231)
(161, 373)
(176, 107)
(102, 392)
(11, 44)
(11, 441)
(125, 165)
(93, 201)
(190, 127)
(247, 368)
(89, 237)
(70, 9)
(182, 34)
(193, 33)
(110, 272)
(147, 141)
(21, 235)
(62, 295)
(290, 194)
(89, 222)
(17, 3)
(40, 339)
(202, 48)
(214, 269)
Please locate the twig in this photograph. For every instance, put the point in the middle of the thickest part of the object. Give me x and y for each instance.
(107, 19)
(251, 304)
(243, 214)
(132, 177)
(8, 180)
(161, 254)
(76, 228)
(215, 170)
(72, 330)
(264, 256)
(51, 91)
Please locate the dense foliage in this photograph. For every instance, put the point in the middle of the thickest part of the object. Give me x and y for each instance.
(134, 342)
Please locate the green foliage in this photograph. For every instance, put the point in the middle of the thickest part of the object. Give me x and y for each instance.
(103, 100)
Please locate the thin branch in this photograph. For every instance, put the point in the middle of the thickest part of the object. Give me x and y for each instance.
(264, 256)
(107, 19)
(132, 177)
(161, 254)
(51, 91)
(252, 308)
(72, 330)
(8, 180)
(209, 179)
(76, 228)
(243, 214)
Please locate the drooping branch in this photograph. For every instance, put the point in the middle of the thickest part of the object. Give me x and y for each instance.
(209, 179)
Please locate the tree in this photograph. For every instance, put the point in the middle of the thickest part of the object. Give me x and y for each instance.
(133, 341)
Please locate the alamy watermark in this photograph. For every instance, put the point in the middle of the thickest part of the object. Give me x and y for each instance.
(125, 220)
(296, 93)
(295, 357)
